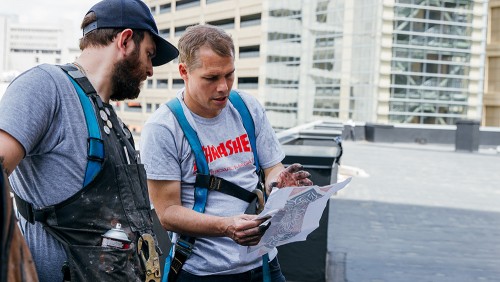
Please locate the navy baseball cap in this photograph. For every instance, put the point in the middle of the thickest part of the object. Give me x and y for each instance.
(133, 14)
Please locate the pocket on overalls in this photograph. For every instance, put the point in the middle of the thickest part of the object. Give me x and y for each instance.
(96, 263)
(131, 180)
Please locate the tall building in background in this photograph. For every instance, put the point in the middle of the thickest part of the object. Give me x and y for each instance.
(24, 46)
(491, 101)
(322, 60)
(380, 61)
(432, 61)
(383, 61)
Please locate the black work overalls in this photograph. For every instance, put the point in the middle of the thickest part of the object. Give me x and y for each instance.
(118, 194)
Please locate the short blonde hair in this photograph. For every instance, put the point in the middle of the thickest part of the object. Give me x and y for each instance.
(198, 36)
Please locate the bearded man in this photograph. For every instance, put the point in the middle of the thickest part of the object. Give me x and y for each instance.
(72, 163)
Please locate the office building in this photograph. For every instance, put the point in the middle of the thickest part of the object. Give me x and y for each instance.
(27, 45)
(383, 61)
(491, 101)
(435, 71)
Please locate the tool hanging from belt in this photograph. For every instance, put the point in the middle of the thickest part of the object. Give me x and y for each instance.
(149, 257)
(205, 182)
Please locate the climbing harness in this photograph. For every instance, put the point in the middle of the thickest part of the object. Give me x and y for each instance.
(206, 182)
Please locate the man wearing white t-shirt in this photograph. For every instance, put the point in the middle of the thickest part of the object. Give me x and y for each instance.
(206, 64)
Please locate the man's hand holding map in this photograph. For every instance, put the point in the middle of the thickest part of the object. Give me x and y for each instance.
(293, 212)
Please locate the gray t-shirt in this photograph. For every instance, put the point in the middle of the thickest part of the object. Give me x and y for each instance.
(41, 110)
(167, 156)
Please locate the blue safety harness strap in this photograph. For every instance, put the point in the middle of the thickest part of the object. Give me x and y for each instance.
(249, 125)
(201, 194)
(184, 244)
(95, 147)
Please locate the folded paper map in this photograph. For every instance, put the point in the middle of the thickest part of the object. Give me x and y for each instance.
(293, 212)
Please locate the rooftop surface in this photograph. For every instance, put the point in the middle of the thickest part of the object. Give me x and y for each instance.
(423, 213)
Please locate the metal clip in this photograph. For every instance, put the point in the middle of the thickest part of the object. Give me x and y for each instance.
(214, 183)
(260, 200)
(152, 263)
(184, 247)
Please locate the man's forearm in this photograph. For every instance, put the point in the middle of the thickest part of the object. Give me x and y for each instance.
(186, 221)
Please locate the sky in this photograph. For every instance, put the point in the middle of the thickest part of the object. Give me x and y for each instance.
(48, 11)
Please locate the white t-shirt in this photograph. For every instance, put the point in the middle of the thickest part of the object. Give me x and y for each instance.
(167, 155)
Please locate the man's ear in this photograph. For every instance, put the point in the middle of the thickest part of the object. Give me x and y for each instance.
(183, 70)
(124, 41)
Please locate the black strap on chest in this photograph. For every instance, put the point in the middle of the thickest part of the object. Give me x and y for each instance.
(214, 183)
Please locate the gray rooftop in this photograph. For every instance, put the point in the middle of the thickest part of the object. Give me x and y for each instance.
(423, 213)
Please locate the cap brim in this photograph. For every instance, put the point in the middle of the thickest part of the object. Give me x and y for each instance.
(165, 52)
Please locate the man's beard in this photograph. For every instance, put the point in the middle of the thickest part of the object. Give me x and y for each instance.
(127, 78)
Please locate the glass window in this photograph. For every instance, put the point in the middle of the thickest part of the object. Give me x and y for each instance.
(495, 25)
(224, 23)
(177, 83)
(250, 20)
(162, 83)
(290, 61)
(272, 36)
(282, 83)
(432, 68)
(248, 82)
(321, 11)
(165, 8)
(402, 38)
(249, 51)
(400, 79)
(323, 66)
(284, 13)
(185, 4)
(324, 41)
(165, 33)
(493, 74)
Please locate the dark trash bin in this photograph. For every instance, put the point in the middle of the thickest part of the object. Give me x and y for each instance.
(467, 136)
(306, 261)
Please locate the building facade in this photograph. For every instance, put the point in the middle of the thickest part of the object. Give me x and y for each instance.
(381, 61)
(27, 45)
(435, 74)
(491, 101)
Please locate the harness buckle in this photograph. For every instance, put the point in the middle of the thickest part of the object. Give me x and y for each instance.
(215, 183)
(95, 149)
(184, 247)
(260, 200)
(183, 250)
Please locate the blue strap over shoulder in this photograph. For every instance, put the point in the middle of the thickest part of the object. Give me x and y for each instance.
(95, 150)
(248, 123)
(200, 194)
